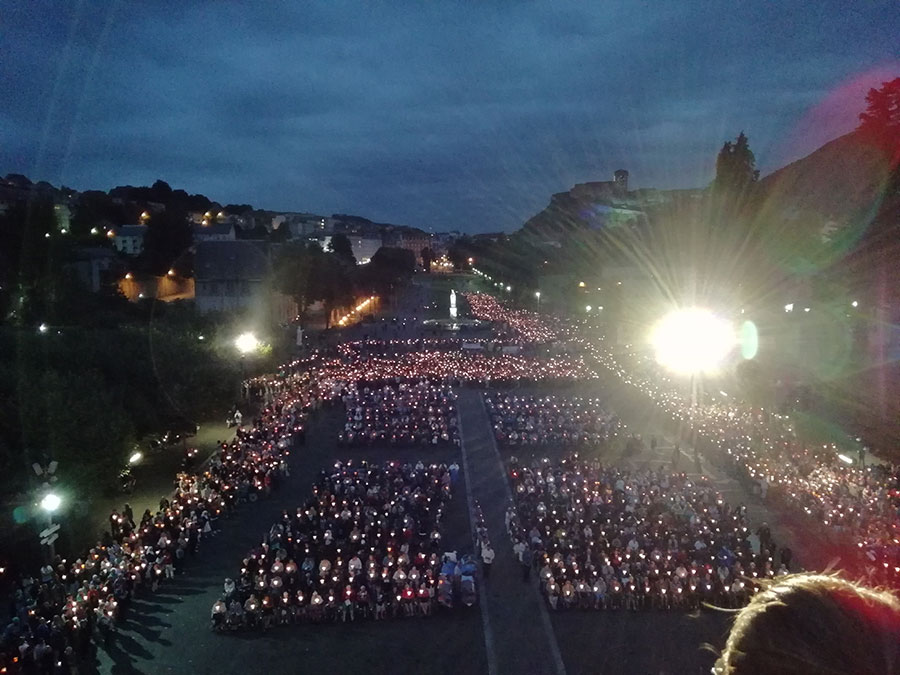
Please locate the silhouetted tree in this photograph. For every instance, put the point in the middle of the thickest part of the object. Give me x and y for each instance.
(292, 267)
(735, 166)
(340, 245)
(427, 256)
(881, 119)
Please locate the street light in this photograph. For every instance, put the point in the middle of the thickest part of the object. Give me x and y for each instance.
(537, 294)
(50, 503)
(692, 341)
(246, 342)
(135, 457)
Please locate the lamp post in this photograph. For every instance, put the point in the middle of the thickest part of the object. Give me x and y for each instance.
(693, 342)
(537, 294)
(49, 504)
(245, 343)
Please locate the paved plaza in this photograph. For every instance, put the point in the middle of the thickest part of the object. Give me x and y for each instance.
(510, 630)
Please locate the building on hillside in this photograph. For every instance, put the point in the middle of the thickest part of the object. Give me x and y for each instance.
(411, 240)
(301, 225)
(620, 180)
(214, 232)
(236, 276)
(128, 239)
(94, 266)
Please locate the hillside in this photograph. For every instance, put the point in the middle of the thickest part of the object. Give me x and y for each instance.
(598, 206)
(829, 188)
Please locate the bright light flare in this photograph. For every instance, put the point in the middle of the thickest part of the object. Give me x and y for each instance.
(50, 502)
(246, 342)
(692, 341)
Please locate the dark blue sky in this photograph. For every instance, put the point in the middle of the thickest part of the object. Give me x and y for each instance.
(445, 115)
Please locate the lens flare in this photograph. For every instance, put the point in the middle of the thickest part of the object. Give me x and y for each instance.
(692, 341)
(749, 338)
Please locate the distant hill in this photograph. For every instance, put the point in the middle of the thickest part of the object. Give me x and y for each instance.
(598, 206)
(828, 189)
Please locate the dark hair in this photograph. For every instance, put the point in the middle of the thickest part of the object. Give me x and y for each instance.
(813, 623)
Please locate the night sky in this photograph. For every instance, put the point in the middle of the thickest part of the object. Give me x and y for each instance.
(445, 115)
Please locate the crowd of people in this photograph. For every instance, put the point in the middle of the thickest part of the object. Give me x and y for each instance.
(601, 537)
(331, 375)
(59, 616)
(366, 545)
(418, 414)
(550, 421)
(831, 488)
(526, 326)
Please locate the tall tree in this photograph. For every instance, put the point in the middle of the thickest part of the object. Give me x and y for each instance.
(881, 119)
(340, 245)
(330, 281)
(427, 257)
(292, 269)
(736, 166)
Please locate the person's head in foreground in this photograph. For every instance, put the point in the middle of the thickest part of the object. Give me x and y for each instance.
(811, 623)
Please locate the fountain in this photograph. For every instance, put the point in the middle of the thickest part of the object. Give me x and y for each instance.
(452, 304)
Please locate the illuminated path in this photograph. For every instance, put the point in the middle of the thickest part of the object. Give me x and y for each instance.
(521, 637)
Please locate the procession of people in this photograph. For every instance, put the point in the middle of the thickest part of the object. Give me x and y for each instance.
(550, 421)
(366, 545)
(368, 542)
(408, 414)
(830, 489)
(608, 538)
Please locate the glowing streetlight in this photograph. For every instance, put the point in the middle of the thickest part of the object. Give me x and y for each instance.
(581, 284)
(43, 328)
(587, 308)
(537, 294)
(508, 288)
(246, 342)
(692, 341)
(136, 457)
(855, 303)
(51, 502)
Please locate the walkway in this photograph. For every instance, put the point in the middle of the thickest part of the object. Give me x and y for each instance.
(155, 476)
(515, 613)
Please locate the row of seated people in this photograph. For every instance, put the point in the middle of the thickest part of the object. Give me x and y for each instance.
(606, 537)
(366, 544)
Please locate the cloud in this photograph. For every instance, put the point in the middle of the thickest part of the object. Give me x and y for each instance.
(447, 115)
